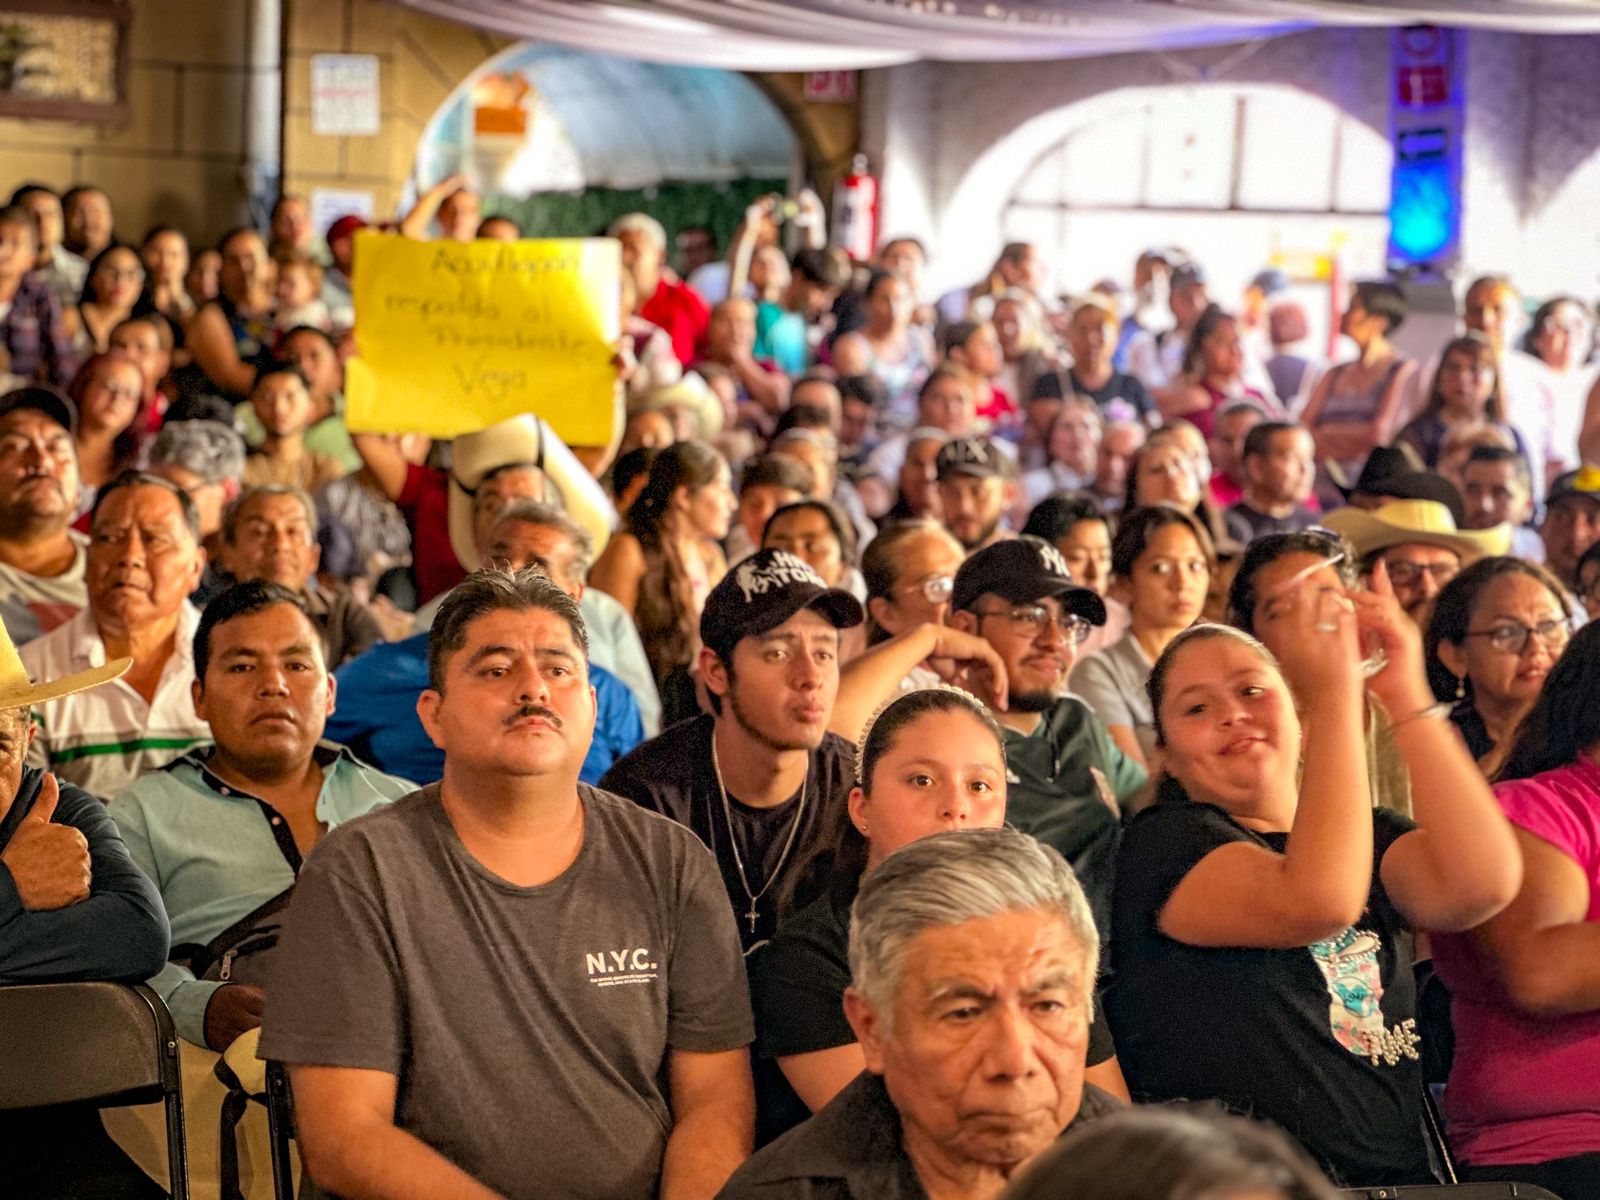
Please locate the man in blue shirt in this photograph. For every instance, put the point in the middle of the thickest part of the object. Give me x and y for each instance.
(385, 728)
(222, 831)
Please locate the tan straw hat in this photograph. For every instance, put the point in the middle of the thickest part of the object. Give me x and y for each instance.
(1413, 522)
(522, 440)
(18, 691)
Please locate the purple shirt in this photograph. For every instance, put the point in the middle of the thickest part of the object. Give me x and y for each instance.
(35, 336)
(1526, 1089)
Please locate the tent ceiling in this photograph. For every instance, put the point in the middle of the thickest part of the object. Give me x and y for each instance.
(838, 34)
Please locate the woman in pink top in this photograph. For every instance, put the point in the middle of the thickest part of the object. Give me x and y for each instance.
(1524, 1092)
(1213, 371)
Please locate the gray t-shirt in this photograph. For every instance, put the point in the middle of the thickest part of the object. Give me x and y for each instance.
(529, 1027)
(1112, 683)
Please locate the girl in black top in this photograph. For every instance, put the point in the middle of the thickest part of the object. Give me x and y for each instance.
(1256, 957)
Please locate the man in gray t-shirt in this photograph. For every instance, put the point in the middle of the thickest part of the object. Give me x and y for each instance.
(510, 984)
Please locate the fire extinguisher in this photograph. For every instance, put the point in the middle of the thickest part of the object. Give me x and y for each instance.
(855, 211)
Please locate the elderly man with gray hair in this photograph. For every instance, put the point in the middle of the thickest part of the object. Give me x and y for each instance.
(270, 533)
(206, 460)
(972, 957)
(664, 299)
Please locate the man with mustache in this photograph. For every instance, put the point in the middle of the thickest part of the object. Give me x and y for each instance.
(1068, 783)
(223, 830)
(509, 983)
(41, 555)
(144, 559)
(762, 782)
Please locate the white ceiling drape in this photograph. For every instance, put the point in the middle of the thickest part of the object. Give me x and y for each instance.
(776, 35)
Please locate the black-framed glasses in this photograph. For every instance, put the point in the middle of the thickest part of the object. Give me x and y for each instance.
(935, 589)
(1031, 620)
(1408, 574)
(1512, 637)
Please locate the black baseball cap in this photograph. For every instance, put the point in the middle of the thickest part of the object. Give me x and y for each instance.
(42, 399)
(976, 456)
(1023, 570)
(1584, 482)
(763, 592)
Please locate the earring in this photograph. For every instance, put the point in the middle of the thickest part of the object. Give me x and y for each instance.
(1461, 687)
(863, 828)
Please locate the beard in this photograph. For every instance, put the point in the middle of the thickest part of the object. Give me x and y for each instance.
(985, 532)
(1032, 702)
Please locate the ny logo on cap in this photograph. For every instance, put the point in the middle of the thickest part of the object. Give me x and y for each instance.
(781, 569)
(1052, 560)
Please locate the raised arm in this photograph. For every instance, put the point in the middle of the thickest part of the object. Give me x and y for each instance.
(713, 1122)
(869, 680)
(1543, 947)
(388, 467)
(1460, 865)
(415, 223)
(352, 1146)
(1242, 894)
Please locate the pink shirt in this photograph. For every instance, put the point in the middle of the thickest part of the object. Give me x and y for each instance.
(1525, 1089)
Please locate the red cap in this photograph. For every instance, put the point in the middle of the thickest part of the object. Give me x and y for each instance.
(345, 226)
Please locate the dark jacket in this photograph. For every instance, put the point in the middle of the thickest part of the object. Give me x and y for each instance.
(851, 1150)
(119, 933)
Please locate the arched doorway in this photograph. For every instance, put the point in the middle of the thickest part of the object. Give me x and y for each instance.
(1241, 176)
(563, 141)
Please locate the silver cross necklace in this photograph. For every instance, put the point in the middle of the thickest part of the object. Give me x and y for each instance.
(752, 915)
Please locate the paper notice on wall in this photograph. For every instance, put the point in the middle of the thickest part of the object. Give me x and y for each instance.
(329, 204)
(344, 95)
(457, 336)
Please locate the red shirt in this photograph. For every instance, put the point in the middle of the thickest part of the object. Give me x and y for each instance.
(677, 308)
(425, 504)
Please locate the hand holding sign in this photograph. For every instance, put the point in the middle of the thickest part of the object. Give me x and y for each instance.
(458, 336)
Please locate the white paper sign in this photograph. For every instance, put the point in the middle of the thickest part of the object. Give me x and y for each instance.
(329, 204)
(344, 95)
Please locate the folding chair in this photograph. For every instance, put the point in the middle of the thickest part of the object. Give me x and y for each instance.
(1458, 1191)
(107, 1044)
(248, 1079)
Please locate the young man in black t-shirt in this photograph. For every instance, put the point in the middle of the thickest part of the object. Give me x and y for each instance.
(762, 782)
(1279, 470)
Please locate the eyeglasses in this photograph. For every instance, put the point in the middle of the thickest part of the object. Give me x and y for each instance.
(1512, 637)
(935, 589)
(1406, 574)
(1032, 620)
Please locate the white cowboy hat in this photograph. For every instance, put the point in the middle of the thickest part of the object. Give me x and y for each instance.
(18, 691)
(522, 440)
(692, 392)
(1413, 522)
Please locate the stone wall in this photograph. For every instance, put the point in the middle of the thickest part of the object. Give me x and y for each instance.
(182, 157)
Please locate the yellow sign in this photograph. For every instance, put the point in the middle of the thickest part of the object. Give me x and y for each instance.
(455, 336)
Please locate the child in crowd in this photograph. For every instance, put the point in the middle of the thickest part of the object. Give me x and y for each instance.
(299, 296)
(281, 401)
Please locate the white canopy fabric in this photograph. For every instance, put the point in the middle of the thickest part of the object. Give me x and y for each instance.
(788, 35)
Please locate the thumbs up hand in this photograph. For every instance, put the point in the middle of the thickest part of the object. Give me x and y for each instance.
(49, 863)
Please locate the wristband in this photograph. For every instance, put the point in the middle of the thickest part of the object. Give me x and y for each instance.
(1441, 709)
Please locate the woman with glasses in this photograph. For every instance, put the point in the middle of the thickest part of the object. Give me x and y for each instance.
(931, 761)
(1497, 629)
(111, 294)
(1259, 955)
(1161, 564)
(109, 394)
(909, 572)
(1525, 1082)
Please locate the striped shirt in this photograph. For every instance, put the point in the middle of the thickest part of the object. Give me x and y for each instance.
(105, 738)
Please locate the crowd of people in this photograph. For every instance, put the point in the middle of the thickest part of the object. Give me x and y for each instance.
(991, 743)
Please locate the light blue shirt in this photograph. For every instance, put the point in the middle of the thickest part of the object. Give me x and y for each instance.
(213, 853)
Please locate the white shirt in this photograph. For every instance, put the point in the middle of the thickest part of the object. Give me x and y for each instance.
(34, 604)
(105, 738)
